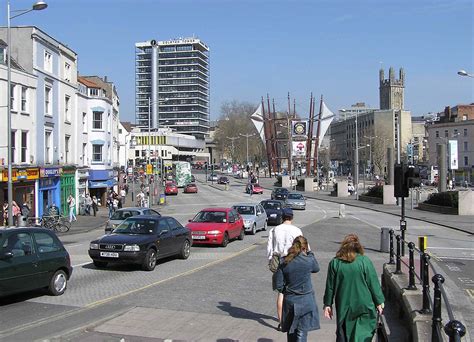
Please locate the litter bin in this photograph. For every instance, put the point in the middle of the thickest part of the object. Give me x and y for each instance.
(22, 221)
(162, 198)
(384, 239)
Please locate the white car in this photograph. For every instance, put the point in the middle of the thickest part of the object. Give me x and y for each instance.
(254, 216)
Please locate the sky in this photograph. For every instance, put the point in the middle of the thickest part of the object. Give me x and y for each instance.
(332, 48)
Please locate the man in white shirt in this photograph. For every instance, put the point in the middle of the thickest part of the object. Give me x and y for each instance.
(280, 239)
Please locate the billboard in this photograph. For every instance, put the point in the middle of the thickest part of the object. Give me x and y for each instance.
(299, 128)
(453, 154)
(299, 149)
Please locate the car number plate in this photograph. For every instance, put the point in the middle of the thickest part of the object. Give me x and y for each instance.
(109, 254)
(199, 237)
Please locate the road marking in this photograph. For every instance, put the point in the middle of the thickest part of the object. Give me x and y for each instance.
(366, 222)
(451, 248)
(73, 245)
(82, 264)
(470, 292)
(443, 258)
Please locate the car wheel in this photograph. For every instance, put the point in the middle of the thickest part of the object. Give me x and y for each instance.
(225, 240)
(242, 234)
(150, 260)
(185, 250)
(58, 283)
(254, 229)
(100, 264)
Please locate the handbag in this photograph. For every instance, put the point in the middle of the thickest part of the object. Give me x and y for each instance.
(381, 330)
(274, 263)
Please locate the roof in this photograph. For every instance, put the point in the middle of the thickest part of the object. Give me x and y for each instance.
(127, 125)
(87, 83)
(216, 209)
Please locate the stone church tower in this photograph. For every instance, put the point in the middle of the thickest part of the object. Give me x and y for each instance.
(392, 91)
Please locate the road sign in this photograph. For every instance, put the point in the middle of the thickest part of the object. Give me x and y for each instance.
(149, 169)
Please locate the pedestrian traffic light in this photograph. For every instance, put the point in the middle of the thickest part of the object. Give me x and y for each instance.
(401, 186)
(413, 177)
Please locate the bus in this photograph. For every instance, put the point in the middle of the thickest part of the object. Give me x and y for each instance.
(182, 172)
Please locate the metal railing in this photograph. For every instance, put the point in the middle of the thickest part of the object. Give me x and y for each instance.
(454, 329)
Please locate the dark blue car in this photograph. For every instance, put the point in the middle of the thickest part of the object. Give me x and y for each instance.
(274, 210)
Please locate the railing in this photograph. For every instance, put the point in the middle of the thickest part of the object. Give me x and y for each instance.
(453, 329)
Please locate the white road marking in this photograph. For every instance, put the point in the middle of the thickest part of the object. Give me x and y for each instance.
(82, 264)
(455, 258)
(451, 248)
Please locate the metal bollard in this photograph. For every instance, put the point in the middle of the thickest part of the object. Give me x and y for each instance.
(426, 284)
(411, 278)
(399, 261)
(437, 279)
(391, 261)
(455, 330)
(422, 246)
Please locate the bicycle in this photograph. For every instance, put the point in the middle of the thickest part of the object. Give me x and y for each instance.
(57, 223)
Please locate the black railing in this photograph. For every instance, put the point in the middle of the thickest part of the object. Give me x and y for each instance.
(453, 329)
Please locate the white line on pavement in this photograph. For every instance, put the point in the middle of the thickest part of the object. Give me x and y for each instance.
(82, 264)
(453, 248)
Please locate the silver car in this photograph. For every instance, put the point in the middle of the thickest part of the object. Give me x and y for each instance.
(296, 200)
(254, 216)
(121, 214)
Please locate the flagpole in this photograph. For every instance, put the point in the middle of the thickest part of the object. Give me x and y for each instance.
(316, 144)
(289, 138)
(267, 137)
(310, 136)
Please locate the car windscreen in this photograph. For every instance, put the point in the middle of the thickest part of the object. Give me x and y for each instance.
(245, 209)
(295, 196)
(281, 191)
(191, 185)
(135, 226)
(271, 205)
(123, 214)
(210, 216)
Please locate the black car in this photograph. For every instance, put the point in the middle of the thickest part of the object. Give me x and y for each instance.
(142, 240)
(280, 193)
(32, 258)
(223, 180)
(274, 210)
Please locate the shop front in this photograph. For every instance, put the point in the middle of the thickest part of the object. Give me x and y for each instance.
(49, 189)
(100, 182)
(68, 187)
(82, 176)
(24, 183)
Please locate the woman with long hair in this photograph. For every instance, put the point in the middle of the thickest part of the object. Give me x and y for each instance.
(293, 279)
(353, 283)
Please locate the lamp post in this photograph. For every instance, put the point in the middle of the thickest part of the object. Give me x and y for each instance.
(247, 136)
(232, 141)
(37, 6)
(464, 73)
(370, 152)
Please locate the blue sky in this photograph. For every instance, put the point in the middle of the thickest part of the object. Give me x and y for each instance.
(334, 48)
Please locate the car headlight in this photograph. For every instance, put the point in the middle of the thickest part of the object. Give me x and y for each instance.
(94, 246)
(214, 232)
(273, 215)
(247, 222)
(131, 248)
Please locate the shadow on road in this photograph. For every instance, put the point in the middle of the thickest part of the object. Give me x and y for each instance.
(242, 313)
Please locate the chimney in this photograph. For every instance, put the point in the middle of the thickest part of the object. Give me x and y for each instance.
(105, 79)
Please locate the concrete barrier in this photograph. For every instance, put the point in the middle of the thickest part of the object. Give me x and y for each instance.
(285, 181)
(342, 189)
(308, 184)
(389, 194)
(466, 202)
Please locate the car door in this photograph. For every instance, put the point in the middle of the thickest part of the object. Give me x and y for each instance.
(51, 255)
(235, 223)
(19, 271)
(165, 238)
(179, 234)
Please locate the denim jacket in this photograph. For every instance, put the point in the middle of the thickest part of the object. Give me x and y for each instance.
(295, 277)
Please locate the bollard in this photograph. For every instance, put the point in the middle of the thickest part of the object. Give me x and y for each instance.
(384, 239)
(422, 240)
(455, 330)
(426, 284)
(399, 261)
(391, 261)
(403, 228)
(411, 278)
(342, 211)
(436, 320)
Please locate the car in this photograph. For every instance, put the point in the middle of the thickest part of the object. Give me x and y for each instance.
(190, 188)
(212, 177)
(280, 193)
(223, 180)
(121, 214)
(216, 226)
(254, 216)
(171, 189)
(33, 258)
(296, 200)
(142, 240)
(193, 179)
(274, 210)
(257, 189)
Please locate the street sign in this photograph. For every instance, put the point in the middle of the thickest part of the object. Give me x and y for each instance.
(149, 169)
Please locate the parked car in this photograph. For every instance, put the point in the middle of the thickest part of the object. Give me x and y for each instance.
(191, 188)
(274, 210)
(122, 214)
(212, 177)
(254, 216)
(296, 200)
(216, 226)
(223, 180)
(171, 189)
(280, 194)
(142, 240)
(33, 258)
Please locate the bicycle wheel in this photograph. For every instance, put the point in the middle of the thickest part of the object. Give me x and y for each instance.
(62, 228)
(64, 221)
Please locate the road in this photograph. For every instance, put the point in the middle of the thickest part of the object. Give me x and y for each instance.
(215, 288)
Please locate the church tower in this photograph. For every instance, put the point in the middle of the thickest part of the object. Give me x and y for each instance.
(392, 91)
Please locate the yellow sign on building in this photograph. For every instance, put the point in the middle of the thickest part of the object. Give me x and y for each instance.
(149, 169)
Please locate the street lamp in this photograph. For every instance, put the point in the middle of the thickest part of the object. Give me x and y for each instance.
(37, 6)
(464, 73)
(247, 136)
(232, 153)
(356, 157)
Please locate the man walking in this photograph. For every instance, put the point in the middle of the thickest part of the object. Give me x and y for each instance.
(280, 240)
(72, 205)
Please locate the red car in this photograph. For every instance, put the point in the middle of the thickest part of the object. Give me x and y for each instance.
(257, 189)
(171, 189)
(191, 188)
(216, 226)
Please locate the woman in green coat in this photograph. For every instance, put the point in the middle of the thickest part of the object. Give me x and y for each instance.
(352, 282)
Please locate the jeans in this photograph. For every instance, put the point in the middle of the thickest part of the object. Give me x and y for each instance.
(72, 217)
(297, 336)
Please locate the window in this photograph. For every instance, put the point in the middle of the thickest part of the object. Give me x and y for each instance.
(67, 71)
(12, 97)
(47, 147)
(19, 244)
(47, 100)
(93, 92)
(67, 140)
(24, 146)
(437, 134)
(464, 117)
(465, 146)
(96, 153)
(24, 99)
(67, 110)
(84, 122)
(455, 131)
(2, 55)
(48, 61)
(466, 161)
(465, 132)
(84, 152)
(446, 133)
(173, 224)
(13, 145)
(97, 120)
(46, 243)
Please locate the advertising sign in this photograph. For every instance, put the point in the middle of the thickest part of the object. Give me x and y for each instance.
(46, 172)
(299, 148)
(299, 128)
(149, 169)
(23, 174)
(453, 154)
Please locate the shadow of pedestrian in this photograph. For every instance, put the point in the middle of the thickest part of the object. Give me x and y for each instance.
(242, 313)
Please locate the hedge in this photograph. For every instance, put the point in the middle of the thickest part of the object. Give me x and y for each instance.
(445, 199)
(375, 191)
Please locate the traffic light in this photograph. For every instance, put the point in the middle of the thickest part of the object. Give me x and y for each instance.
(413, 177)
(401, 187)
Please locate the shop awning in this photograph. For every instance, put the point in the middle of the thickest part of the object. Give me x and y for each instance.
(102, 183)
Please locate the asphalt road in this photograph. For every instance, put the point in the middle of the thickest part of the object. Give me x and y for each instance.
(228, 287)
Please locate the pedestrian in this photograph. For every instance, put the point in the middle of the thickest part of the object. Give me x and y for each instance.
(72, 206)
(293, 279)
(110, 206)
(25, 210)
(123, 195)
(353, 285)
(95, 206)
(16, 213)
(53, 210)
(88, 203)
(5, 213)
(280, 239)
